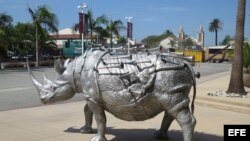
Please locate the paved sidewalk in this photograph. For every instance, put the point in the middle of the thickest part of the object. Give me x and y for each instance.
(61, 122)
(220, 82)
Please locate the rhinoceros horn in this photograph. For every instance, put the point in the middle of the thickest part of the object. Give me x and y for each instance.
(39, 86)
(56, 84)
(35, 82)
(46, 80)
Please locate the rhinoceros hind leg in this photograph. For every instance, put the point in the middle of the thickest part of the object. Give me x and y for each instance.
(88, 120)
(98, 138)
(187, 122)
(166, 122)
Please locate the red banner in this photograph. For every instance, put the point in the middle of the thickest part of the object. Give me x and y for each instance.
(129, 30)
(83, 23)
(80, 22)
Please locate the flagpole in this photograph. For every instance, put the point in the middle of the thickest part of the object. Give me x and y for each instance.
(82, 6)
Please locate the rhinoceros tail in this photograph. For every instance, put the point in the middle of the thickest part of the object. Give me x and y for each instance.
(194, 95)
(194, 76)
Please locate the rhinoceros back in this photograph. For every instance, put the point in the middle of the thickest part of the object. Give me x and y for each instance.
(125, 75)
(127, 84)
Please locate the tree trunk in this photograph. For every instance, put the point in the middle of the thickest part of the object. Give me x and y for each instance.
(91, 35)
(37, 54)
(111, 42)
(216, 37)
(236, 80)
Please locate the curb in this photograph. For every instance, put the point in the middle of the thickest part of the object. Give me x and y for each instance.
(221, 104)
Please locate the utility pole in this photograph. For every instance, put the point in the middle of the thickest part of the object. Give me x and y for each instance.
(129, 32)
(82, 23)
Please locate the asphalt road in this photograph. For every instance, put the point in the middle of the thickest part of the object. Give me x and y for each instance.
(17, 90)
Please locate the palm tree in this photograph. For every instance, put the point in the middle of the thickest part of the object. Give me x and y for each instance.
(226, 40)
(114, 27)
(95, 24)
(102, 33)
(5, 20)
(43, 18)
(236, 81)
(5, 24)
(168, 33)
(122, 40)
(214, 26)
(5, 27)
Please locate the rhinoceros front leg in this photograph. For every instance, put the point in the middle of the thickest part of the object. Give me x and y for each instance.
(166, 122)
(88, 120)
(100, 118)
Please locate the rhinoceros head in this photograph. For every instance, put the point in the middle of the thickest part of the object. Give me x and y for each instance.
(52, 91)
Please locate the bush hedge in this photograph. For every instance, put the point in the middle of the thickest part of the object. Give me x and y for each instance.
(23, 64)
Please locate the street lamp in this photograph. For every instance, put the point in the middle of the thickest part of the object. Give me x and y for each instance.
(129, 32)
(82, 6)
(129, 18)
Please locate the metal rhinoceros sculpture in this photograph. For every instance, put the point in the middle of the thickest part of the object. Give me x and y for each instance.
(131, 87)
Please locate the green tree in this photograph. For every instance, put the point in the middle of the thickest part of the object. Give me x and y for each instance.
(5, 27)
(151, 41)
(102, 33)
(42, 18)
(154, 40)
(95, 24)
(188, 43)
(23, 39)
(236, 80)
(5, 20)
(226, 40)
(168, 33)
(48, 44)
(113, 27)
(122, 40)
(214, 26)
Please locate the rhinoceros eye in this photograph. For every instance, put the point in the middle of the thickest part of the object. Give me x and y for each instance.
(52, 88)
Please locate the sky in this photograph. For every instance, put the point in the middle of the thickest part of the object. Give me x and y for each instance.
(150, 17)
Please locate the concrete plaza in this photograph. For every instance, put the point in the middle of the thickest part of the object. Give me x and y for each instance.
(62, 122)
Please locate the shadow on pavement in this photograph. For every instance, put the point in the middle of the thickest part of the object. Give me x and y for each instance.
(147, 135)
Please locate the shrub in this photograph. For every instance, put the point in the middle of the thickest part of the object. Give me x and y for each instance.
(246, 58)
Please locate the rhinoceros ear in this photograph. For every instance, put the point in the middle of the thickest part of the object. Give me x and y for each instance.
(58, 65)
(66, 63)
